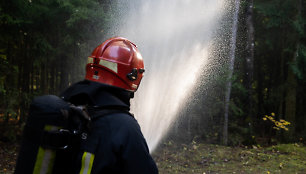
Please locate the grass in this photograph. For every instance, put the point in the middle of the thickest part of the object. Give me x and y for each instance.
(206, 159)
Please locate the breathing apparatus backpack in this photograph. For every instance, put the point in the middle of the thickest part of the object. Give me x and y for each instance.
(52, 136)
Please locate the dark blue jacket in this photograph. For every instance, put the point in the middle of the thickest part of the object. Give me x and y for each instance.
(114, 144)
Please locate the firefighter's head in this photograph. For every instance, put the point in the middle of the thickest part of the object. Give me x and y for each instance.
(116, 62)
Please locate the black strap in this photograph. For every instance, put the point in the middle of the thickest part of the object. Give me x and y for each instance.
(59, 139)
(56, 139)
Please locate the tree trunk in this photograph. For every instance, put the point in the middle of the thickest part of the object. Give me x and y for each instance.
(64, 82)
(290, 102)
(291, 87)
(42, 77)
(24, 78)
(250, 56)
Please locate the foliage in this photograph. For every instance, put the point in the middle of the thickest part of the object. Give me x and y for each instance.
(42, 43)
(278, 125)
(278, 78)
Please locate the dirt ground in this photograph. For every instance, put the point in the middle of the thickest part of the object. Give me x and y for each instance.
(8, 156)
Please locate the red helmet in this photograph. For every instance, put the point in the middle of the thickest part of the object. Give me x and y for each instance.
(116, 62)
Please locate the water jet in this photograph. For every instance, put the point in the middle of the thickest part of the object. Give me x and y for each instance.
(175, 39)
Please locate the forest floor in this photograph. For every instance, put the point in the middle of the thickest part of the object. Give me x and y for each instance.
(207, 159)
(8, 155)
(212, 159)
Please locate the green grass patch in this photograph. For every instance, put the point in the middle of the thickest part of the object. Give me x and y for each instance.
(204, 158)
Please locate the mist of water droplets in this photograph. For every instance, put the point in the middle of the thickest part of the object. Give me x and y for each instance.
(174, 38)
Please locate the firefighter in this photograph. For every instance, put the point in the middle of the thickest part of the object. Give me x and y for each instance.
(114, 143)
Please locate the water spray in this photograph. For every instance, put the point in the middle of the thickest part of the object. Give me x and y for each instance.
(174, 37)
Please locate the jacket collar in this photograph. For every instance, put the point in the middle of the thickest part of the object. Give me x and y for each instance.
(97, 94)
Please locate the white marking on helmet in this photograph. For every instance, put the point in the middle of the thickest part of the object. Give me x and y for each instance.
(110, 65)
(89, 60)
(134, 86)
